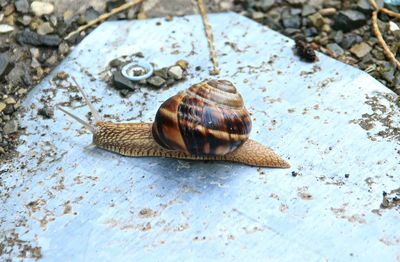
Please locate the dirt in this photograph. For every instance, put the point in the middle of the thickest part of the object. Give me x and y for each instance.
(391, 199)
(11, 244)
(382, 123)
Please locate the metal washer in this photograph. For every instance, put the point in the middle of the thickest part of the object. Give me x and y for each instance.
(137, 63)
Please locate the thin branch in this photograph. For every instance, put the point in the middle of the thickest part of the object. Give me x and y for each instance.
(390, 13)
(375, 29)
(104, 17)
(209, 36)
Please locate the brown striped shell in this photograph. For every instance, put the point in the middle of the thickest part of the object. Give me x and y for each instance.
(209, 118)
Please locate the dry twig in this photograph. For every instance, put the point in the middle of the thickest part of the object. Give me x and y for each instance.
(390, 13)
(207, 28)
(389, 54)
(104, 17)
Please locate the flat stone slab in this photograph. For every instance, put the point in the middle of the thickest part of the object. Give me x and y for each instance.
(64, 200)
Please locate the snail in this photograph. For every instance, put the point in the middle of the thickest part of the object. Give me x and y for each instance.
(208, 121)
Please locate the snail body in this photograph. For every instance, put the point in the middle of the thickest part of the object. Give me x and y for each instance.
(208, 121)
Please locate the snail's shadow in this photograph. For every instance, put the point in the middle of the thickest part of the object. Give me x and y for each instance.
(171, 174)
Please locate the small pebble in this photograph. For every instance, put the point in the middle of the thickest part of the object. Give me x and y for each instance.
(182, 63)
(294, 173)
(22, 6)
(2, 106)
(45, 28)
(361, 49)
(42, 8)
(327, 11)
(10, 127)
(62, 75)
(156, 81)
(176, 72)
(26, 20)
(115, 62)
(10, 101)
(8, 9)
(63, 48)
(163, 73)
(6, 28)
(46, 112)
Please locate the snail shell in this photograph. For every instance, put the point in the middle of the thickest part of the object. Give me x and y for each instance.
(209, 118)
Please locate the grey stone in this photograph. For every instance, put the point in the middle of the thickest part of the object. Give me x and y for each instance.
(114, 4)
(115, 63)
(258, 16)
(308, 10)
(90, 14)
(25, 20)
(32, 38)
(63, 48)
(293, 21)
(5, 66)
(349, 20)
(45, 28)
(22, 6)
(295, 11)
(176, 72)
(9, 110)
(349, 40)
(163, 73)
(378, 54)
(10, 127)
(156, 81)
(335, 48)
(120, 82)
(272, 23)
(310, 31)
(265, 5)
(388, 72)
(338, 38)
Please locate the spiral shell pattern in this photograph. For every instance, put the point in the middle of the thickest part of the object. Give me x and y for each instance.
(209, 118)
